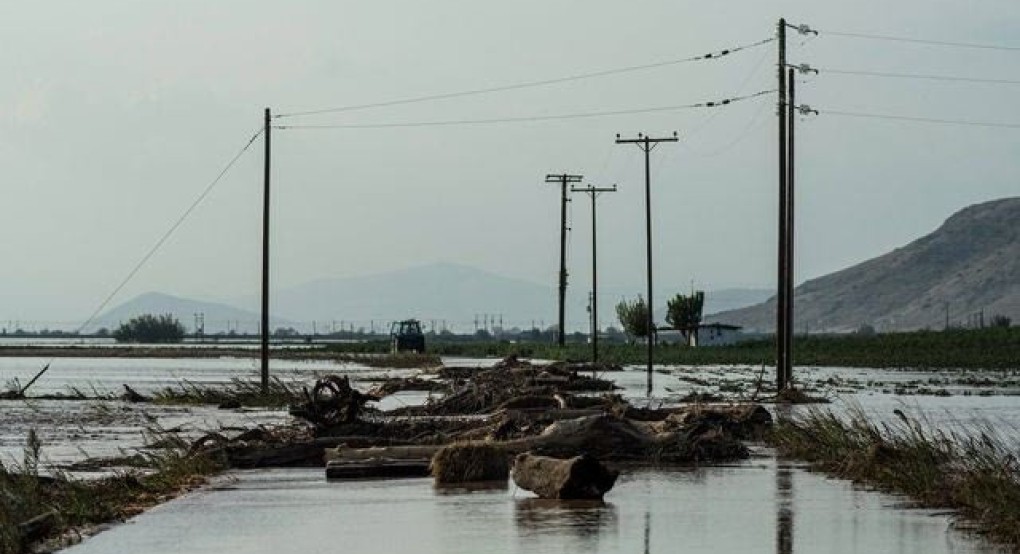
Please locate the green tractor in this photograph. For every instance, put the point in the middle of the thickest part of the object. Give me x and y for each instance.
(407, 336)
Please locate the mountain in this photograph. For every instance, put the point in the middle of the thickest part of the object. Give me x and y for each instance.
(218, 317)
(970, 264)
(455, 294)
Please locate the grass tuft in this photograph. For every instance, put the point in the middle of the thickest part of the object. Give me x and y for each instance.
(972, 471)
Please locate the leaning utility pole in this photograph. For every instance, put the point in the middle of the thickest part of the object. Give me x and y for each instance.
(563, 179)
(782, 315)
(593, 192)
(647, 144)
(265, 259)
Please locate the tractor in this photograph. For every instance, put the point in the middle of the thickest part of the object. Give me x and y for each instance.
(407, 336)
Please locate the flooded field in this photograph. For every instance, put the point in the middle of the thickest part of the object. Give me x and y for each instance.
(761, 505)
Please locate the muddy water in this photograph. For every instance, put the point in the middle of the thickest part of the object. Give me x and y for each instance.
(759, 506)
(74, 430)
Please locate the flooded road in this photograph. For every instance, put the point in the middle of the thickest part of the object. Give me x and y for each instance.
(763, 505)
(760, 506)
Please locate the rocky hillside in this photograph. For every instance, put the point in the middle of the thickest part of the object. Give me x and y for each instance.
(971, 263)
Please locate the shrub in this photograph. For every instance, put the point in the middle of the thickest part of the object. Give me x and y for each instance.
(150, 328)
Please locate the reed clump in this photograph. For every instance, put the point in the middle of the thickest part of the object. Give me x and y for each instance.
(972, 470)
(236, 393)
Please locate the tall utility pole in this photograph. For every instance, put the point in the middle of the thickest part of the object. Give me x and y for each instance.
(265, 258)
(647, 144)
(563, 179)
(593, 192)
(782, 315)
(791, 112)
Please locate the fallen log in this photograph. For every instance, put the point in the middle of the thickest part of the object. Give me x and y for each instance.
(38, 527)
(377, 468)
(578, 478)
(606, 436)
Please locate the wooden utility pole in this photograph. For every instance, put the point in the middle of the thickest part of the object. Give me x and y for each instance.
(265, 259)
(782, 316)
(791, 112)
(647, 144)
(563, 179)
(593, 192)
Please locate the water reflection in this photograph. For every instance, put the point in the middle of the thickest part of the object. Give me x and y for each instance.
(784, 508)
(648, 532)
(586, 519)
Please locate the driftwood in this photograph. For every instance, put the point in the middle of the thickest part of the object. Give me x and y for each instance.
(470, 462)
(38, 527)
(131, 395)
(332, 402)
(377, 468)
(606, 436)
(579, 478)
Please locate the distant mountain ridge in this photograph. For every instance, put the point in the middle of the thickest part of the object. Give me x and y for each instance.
(453, 293)
(217, 316)
(968, 265)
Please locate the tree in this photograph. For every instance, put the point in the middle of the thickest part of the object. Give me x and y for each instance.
(148, 328)
(683, 313)
(1000, 320)
(633, 317)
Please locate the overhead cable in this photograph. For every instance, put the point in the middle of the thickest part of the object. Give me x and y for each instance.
(921, 76)
(923, 41)
(159, 243)
(525, 119)
(915, 119)
(530, 84)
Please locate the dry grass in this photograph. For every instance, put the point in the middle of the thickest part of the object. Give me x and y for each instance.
(973, 471)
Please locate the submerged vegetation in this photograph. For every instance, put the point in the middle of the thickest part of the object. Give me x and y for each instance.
(973, 471)
(56, 508)
(236, 393)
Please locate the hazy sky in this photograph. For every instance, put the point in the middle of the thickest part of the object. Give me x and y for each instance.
(114, 116)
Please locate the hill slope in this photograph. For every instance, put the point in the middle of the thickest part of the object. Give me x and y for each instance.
(218, 317)
(971, 263)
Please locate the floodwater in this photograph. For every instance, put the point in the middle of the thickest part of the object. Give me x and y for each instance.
(758, 506)
(762, 505)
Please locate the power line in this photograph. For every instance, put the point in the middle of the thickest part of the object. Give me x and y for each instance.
(170, 231)
(531, 84)
(922, 76)
(923, 41)
(893, 117)
(525, 119)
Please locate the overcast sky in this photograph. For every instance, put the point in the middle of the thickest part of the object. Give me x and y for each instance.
(114, 116)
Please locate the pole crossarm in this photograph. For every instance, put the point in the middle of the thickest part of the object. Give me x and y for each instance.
(563, 177)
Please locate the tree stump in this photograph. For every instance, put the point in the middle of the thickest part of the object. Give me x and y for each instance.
(579, 478)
